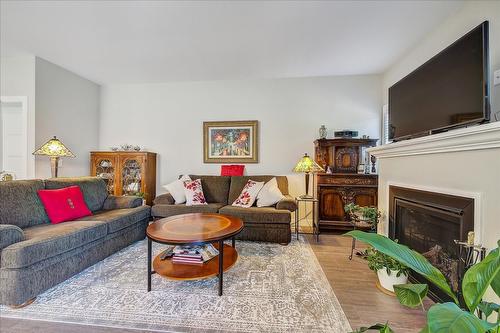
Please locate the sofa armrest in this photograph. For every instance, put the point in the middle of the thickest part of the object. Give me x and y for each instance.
(10, 234)
(164, 199)
(288, 203)
(118, 202)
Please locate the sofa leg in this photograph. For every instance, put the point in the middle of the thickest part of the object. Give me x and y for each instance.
(19, 306)
(284, 244)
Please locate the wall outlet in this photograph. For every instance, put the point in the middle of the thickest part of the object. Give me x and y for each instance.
(496, 77)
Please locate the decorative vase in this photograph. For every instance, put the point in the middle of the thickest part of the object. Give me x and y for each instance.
(388, 281)
(322, 132)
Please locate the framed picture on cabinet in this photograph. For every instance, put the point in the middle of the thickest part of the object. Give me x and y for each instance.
(231, 141)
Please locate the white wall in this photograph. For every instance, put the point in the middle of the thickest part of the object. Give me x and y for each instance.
(167, 118)
(17, 78)
(469, 16)
(67, 106)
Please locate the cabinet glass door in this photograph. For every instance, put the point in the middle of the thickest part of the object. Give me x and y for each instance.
(105, 169)
(131, 177)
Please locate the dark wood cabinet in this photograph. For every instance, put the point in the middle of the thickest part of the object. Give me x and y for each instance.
(336, 190)
(344, 185)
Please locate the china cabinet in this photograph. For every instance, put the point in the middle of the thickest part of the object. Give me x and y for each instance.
(126, 173)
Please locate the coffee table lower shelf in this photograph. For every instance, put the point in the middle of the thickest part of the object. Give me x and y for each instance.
(170, 270)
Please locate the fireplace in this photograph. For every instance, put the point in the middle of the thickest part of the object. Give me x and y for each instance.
(429, 223)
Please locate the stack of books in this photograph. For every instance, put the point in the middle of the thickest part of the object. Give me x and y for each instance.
(187, 255)
(192, 255)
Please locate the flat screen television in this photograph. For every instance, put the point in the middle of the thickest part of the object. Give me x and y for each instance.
(449, 90)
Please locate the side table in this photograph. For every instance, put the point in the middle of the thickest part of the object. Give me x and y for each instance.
(302, 207)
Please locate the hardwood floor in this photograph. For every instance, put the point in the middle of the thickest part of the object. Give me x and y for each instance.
(352, 282)
(354, 285)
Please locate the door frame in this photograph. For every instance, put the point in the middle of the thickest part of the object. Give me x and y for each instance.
(30, 159)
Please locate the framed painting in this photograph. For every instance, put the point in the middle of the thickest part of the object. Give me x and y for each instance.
(230, 141)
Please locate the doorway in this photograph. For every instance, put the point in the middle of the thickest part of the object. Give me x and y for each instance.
(14, 154)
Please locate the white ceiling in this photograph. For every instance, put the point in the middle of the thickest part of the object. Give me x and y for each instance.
(160, 41)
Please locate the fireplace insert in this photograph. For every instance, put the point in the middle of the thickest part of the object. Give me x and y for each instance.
(429, 223)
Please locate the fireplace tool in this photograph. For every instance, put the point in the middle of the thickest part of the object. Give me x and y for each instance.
(468, 255)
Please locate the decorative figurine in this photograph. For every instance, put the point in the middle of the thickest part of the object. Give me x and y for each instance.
(374, 160)
(322, 132)
(361, 168)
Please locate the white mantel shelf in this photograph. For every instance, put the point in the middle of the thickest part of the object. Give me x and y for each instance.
(485, 136)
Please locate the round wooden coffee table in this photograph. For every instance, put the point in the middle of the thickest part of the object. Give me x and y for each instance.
(194, 229)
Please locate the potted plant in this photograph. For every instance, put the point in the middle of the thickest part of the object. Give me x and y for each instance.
(363, 216)
(141, 195)
(476, 316)
(389, 271)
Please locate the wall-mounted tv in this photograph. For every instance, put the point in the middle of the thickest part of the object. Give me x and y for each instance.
(449, 90)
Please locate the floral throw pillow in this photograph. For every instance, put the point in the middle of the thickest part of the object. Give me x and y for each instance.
(249, 194)
(194, 193)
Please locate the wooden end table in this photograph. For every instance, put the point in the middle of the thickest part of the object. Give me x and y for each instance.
(194, 229)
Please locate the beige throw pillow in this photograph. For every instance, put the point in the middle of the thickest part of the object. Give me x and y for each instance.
(176, 189)
(270, 194)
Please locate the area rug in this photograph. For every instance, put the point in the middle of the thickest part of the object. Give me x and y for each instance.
(272, 288)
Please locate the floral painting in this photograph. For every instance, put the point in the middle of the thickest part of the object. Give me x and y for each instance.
(230, 141)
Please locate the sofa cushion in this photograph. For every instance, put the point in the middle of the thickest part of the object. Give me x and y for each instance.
(258, 214)
(238, 182)
(118, 219)
(64, 204)
(93, 189)
(170, 210)
(20, 204)
(215, 188)
(270, 194)
(232, 170)
(176, 189)
(122, 201)
(249, 194)
(194, 193)
(49, 240)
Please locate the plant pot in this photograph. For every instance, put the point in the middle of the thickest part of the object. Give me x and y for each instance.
(387, 281)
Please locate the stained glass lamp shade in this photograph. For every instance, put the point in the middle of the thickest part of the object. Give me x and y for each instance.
(307, 165)
(55, 149)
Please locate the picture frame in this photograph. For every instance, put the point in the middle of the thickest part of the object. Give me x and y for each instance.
(231, 141)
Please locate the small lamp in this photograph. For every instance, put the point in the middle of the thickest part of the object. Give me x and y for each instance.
(54, 149)
(307, 165)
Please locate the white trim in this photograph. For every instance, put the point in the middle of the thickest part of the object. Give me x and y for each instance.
(478, 229)
(485, 136)
(30, 159)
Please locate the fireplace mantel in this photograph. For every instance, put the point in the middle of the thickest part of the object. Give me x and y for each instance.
(485, 136)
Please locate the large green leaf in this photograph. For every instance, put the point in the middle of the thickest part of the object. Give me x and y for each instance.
(449, 318)
(406, 256)
(411, 294)
(425, 329)
(382, 328)
(487, 308)
(479, 277)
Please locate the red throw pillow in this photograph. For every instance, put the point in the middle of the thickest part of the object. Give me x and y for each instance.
(232, 170)
(64, 204)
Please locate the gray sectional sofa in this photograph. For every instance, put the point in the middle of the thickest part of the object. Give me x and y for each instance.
(35, 255)
(266, 224)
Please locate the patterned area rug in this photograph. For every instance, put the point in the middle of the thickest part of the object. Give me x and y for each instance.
(272, 288)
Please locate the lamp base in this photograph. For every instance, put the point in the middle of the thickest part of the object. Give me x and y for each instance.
(54, 164)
